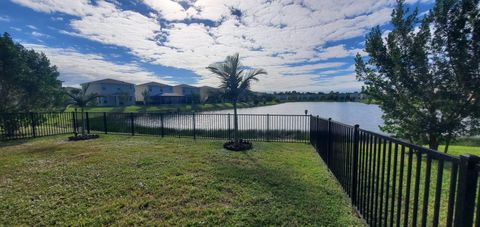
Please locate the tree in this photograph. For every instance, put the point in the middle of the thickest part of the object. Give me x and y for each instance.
(80, 98)
(27, 80)
(426, 74)
(146, 97)
(235, 80)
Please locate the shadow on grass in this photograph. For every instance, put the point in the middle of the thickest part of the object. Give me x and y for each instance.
(8, 143)
(279, 195)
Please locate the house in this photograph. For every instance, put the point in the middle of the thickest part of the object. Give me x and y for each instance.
(112, 92)
(157, 93)
(189, 93)
(206, 91)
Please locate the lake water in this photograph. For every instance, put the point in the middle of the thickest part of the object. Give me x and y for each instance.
(367, 116)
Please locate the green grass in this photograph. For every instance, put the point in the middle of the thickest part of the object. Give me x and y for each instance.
(166, 108)
(368, 175)
(141, 180)
(463, 145)
(459, 150)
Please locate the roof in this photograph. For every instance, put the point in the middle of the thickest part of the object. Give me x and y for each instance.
(208, 87)
(170, 94)
(153, 83)
(185, 85)
(110, 81)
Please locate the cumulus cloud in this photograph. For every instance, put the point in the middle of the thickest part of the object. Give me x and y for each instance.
(77, 67)
(286, 38)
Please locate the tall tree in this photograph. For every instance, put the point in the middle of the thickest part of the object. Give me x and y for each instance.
(235, 80)
(27, 80)
(426, 73)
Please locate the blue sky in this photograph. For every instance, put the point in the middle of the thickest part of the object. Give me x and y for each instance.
(304, 45)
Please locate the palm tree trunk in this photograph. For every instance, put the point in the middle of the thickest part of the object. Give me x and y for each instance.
(235, 122)
(83, 123)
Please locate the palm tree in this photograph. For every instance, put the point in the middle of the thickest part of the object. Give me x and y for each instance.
(235, 80)
(146, 96)
(80, 99)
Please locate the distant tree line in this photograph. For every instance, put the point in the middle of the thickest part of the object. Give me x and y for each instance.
(256, 98)
(292, 96)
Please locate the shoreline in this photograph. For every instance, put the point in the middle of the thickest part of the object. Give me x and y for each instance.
(170, 108)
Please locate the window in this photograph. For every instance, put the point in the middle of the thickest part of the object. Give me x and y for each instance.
(103, 88)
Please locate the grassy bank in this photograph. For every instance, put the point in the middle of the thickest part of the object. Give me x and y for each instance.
(463, 145)
(167, 108)
(141, 180)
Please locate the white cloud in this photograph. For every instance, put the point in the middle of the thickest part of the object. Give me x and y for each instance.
(16, 29)
(76, 8)
(270, 34)
(76, 67)
(39, 34)
(5, 18)
(169, 10)
(32, 27)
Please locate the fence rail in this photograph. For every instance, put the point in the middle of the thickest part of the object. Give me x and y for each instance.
(256, 127)
(390, 182)
(393, 183)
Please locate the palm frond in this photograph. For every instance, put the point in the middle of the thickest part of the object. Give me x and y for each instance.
(233, 75)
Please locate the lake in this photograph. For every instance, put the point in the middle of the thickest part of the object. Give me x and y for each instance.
(367, 116)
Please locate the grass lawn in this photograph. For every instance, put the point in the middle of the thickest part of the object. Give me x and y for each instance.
(165, 108)
(144, 180)
(464, 146)
(458, 150)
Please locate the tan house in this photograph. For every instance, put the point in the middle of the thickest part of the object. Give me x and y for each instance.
(205, 91)
(158, 93)
(188, 92)
(112, 92)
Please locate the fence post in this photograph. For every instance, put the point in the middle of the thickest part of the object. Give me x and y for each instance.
(132, 127)
(161, 124)
(74, 123)
(311, 131)
(229, 135)
(105, 122)
(34, 132)
(329, 140)
(193, 121)
(268, 127)
(467, 185)
(88, 122)
(355, 165)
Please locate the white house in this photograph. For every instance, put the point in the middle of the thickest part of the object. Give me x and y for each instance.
(112, 92)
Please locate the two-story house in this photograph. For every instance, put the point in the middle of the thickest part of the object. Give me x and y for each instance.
(206, 91)
(112, 92)
(189, 93)
(157, 93)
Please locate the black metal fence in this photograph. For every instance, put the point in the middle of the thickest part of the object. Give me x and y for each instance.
(393, 183)
(256, 127)
(390, 182)
(29, 125)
